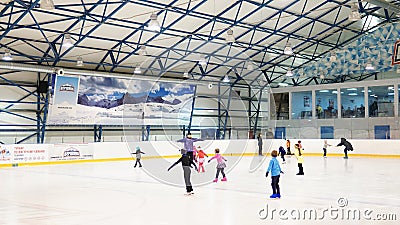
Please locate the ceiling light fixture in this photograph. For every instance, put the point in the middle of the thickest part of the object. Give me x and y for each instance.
(369, 66)
(354, 14)
(289, 73)
(137, 70)
(288, 49)
(226, 79)
(186, 74)
(7, 55)
(283, 84)
(79, 61)
(333, 57)
(154, 25)
(202, 60)
(229, 36)
(67, 42)
(142, 50)
(322, 76)
(47, 4)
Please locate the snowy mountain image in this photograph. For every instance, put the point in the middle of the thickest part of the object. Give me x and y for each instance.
(116, 101)
(83, 99)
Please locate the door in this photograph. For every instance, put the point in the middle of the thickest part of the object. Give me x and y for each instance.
(280, 133)
(382, 132)
(327, 132)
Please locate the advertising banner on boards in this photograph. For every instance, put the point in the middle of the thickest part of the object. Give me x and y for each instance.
(29, 152)
(71, 152)
(5, 154)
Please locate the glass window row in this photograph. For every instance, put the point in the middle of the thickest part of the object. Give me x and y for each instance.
(353, 103)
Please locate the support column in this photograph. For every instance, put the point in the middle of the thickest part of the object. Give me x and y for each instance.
(313, 105)
(366, 95)
(396, 100)
(290, 105)
(339, 103)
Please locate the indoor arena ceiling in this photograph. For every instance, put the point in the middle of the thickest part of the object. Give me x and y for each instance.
(206, 40)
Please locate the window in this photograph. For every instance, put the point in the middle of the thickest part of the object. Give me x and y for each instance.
(326, 104)
(352, 100)
(301, 105)
(281, 106)
(381, 101)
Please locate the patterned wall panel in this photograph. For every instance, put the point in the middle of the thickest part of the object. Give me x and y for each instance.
(376, 47)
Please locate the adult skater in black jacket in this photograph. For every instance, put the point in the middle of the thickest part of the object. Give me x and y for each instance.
(347, 145)
(186, 165)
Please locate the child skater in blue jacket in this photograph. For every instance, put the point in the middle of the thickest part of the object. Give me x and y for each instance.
(275, 170)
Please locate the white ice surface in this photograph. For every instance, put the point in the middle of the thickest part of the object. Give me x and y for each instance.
(116, 193)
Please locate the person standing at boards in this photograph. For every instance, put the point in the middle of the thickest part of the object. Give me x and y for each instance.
(260, 144)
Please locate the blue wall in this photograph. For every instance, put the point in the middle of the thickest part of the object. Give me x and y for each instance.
(298, 103)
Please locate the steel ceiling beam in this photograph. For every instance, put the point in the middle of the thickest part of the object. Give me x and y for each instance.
(10, 27)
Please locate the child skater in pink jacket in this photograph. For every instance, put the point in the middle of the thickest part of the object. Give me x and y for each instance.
(220, 165)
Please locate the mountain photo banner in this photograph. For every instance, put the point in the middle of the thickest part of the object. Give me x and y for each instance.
(119, 101)
(64, 97)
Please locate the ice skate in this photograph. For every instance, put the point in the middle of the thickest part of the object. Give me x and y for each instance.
(274, 196)
(224, 179)
(278, 195)
(215, 180)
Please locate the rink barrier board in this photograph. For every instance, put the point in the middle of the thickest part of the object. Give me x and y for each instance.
(63, 162)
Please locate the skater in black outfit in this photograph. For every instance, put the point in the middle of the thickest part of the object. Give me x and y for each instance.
(186, 165)
(282, 153)
(347, 145)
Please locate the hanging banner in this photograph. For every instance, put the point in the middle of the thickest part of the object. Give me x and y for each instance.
(119, 101)
(65, 95)
(71, 152)
(396, 53)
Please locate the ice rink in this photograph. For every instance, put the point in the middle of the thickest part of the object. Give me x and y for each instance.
(117, 193)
